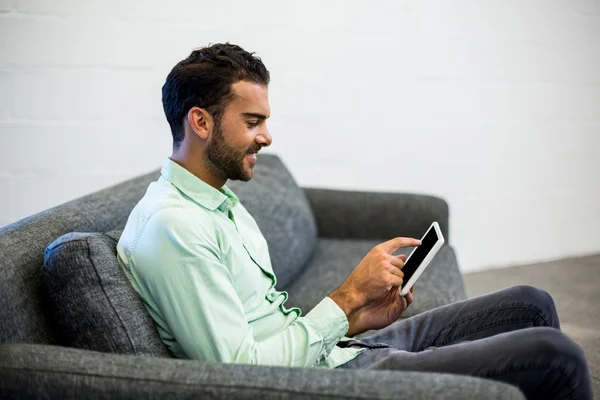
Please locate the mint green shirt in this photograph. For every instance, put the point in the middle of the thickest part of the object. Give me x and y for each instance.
(202, 268)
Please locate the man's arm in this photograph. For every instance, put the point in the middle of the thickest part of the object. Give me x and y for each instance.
(370, 296)
(178, 263)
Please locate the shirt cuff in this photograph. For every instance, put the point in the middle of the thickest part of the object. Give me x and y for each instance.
(330, 320)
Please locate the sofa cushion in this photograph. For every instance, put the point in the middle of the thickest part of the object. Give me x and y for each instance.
(93, 304)
(283, 215)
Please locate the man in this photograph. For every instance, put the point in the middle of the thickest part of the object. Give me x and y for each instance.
(202, 267)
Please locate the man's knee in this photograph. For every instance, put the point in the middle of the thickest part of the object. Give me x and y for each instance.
(540, 299)
(561, 353)
(554, 343)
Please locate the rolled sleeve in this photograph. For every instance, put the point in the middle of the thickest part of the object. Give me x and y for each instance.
(330, 321)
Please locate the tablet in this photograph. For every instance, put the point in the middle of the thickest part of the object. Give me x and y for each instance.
(421, 256)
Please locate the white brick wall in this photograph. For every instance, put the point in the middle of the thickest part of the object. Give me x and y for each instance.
(493, 105)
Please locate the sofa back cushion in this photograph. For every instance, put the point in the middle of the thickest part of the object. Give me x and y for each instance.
(93, 304)
(283, 215)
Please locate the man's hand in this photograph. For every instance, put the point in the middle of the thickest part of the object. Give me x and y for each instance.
(374, 278)
(380, 314)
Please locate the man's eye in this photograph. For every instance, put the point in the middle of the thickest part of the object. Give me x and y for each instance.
(252, 124)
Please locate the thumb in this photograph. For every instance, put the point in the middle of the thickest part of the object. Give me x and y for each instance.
(402, 257)
(392, 245)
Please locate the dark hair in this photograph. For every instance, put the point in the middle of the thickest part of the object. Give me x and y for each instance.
(204, 80)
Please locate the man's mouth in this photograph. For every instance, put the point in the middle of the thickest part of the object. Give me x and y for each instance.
(252, 157)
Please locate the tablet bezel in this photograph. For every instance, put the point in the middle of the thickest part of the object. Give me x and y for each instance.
(436, 247)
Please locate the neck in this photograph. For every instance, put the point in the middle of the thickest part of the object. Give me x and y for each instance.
(196, 163)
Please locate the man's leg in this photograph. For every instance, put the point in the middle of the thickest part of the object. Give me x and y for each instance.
(487, 337)
(542, 362)
(506, 310)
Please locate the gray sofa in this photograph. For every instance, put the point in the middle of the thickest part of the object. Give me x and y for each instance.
(315, 236)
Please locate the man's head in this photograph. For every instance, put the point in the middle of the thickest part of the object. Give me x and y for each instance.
(216, 102)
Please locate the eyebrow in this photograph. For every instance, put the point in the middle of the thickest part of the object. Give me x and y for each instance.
(255, 115)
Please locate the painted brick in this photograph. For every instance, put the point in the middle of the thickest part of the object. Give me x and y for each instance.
(86, 146)
(77, 42)
(69, 8)
(7, 6)
(82, 94)
(6, 96)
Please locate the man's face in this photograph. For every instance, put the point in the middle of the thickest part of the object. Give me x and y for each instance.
(241, 132)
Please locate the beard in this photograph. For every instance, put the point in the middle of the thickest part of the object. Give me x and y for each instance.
(224, 161)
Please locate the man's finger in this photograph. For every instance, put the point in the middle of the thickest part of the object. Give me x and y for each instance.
(397, 281)
(397, 262)
(392, 245)
(409, 298)
(398, 272)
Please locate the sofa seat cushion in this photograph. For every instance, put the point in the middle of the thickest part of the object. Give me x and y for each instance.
(334, 259)
(283, 215)
(93, 304)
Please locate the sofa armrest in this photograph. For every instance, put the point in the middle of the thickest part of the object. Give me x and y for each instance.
(42, 371)
(372, 215)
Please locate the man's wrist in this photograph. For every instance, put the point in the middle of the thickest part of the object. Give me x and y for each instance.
(346, 300)
(354, 325)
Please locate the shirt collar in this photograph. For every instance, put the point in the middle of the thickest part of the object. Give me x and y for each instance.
(198, 190)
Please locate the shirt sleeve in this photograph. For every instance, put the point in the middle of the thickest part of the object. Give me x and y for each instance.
(178, 263)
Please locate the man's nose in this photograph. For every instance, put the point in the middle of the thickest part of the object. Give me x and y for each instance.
(264, 138)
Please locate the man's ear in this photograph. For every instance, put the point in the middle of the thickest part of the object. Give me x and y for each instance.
(200, 121)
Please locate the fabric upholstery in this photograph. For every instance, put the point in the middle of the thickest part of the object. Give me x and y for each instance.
(93, 303)
(283, 215)
(34, 371)
(345, 214)
(441, 283)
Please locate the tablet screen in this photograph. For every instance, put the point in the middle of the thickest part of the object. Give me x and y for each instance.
(419, 254)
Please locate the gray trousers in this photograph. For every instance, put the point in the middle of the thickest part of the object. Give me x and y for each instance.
(512, 335)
